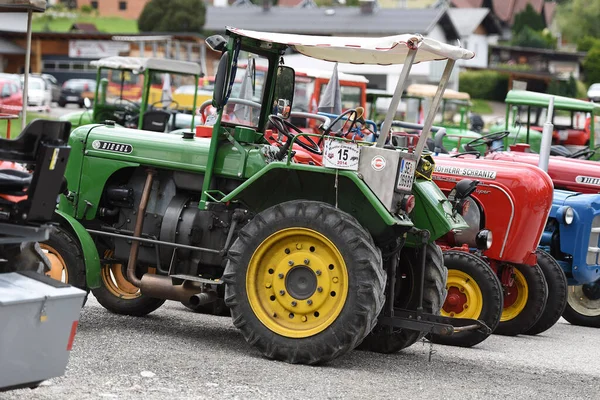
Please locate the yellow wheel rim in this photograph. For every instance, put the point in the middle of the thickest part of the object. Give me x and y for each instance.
(116, 283)
(464, 299)
(58, 266)
(515, 297)
(297, 282)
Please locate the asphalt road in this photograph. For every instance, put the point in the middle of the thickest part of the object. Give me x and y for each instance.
(176, 354)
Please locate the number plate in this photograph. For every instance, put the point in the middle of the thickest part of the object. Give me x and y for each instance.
(340, 155)
(406, 175)
(72, 98)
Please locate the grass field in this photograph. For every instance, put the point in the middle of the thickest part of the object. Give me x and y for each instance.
(481, 107)
(15, 124)
(104, 24)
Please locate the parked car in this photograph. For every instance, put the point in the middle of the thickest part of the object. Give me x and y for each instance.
(11, 97)
(52, 83)
(39, 94)
(75, 90)
(594, 92)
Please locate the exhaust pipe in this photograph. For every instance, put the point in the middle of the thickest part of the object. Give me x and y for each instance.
(203, 298)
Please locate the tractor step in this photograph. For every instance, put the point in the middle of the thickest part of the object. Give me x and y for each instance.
(197, 279)
(436, 324)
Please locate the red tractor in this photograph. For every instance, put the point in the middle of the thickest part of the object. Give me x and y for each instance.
(504, 282)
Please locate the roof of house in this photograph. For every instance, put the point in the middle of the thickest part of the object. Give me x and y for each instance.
(506, 10)
(8, 47)
(467, 20)
(83, 27)
(331, 21)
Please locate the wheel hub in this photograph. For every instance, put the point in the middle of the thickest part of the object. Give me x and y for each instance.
(585, 299)
(515, 296)
(592, 291)
(464, 299)
(301, 282)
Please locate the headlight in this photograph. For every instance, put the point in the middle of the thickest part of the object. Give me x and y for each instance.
(484, 239)
(568, 216)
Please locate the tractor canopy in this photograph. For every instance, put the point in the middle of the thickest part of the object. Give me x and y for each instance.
(573, 120)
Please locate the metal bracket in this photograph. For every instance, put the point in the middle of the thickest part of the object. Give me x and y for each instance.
(23, 233)
(436, 324)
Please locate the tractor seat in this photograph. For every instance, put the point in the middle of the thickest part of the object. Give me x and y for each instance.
(156, 120)
(560, 150)
(24, 148)
(14, 182)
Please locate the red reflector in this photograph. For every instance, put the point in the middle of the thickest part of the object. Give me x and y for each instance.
(465, 207)
(409, 204)
(204, 131)
(72, 335)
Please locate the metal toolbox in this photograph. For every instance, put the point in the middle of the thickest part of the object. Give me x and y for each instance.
(38, 321)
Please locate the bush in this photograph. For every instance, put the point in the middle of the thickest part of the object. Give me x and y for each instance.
(586, 43)
(86, 9)
(487, 85)
(528, 37)
(591, 65)
(172, 16)
(563, 88)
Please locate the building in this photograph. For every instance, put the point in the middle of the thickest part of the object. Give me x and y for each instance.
(130, 9)
(364, 21)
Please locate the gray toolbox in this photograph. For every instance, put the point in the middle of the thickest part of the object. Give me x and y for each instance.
(38, 321)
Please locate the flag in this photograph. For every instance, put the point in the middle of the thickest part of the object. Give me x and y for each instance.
(331, 98)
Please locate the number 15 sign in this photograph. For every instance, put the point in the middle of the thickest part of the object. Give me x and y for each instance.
(340, 155)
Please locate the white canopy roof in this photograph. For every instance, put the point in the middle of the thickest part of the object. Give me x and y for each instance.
(22, 5)
(139, 65)
(363, 50)
(421, 90)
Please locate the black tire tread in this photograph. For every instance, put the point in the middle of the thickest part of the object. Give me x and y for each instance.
(350, 328)
(557, 293)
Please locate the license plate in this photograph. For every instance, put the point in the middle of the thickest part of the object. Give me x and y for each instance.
(406, 175)
(340, 155)
(563, 135)
(72, 98)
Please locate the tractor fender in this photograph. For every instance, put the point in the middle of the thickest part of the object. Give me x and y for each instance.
(90, 253)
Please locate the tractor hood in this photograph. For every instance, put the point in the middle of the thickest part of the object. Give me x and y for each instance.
(78, 118)
(567, 173)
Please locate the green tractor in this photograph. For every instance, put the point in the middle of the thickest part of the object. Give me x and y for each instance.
(311, 260)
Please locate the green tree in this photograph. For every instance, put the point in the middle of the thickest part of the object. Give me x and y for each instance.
(172, 16)
(591, 65)
(579, 18)
(587, 42)
(528, 18)
(528, 37)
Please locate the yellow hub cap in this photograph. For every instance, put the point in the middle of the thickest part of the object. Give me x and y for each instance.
(464, 299)
(58, 266)
(297, 282)
(515, 297)
(114, 280)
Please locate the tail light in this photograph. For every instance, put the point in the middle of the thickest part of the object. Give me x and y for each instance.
(463, 206)
(408, 203)
(86, 87)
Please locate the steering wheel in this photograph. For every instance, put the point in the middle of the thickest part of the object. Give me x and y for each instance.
(338, 119)
(473, 152)
(128, 105)
(486, 139)
(284, 127)
(166, 104)
(586, 154)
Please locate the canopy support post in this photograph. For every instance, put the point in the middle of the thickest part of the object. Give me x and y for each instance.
(435, 103)
(400, 88)
(26, 72)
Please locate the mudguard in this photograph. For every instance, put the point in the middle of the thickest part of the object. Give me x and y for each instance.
(90, 253)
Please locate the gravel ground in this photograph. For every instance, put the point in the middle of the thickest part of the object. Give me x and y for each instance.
(176, 354)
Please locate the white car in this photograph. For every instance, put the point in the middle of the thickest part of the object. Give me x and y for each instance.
(39, 94)
(594, 92)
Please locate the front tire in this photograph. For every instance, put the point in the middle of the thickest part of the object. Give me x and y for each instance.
(384, 339)
(474, 292)
(583, 305)
(524, 300)
(557, 293)
(304, 282)
(119, 296)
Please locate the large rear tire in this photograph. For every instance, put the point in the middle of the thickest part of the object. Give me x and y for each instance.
(583, 305)
(474, 292)
(304, 282)
(119, 296)
(557, 293)
(524, 301)
(384, 339)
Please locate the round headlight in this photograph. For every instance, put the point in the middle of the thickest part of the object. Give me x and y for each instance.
(484, 239)
(568, 216)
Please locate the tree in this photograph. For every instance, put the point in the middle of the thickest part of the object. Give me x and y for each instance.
(586, 43)
(591, 65)
(528, 37)
(172, 16)
(528, 18)
(579, 18)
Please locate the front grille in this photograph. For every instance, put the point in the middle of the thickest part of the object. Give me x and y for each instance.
(594, 243)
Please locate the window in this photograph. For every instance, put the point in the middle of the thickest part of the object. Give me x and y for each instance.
(6, 90)
(94, 5)
(122, 5)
